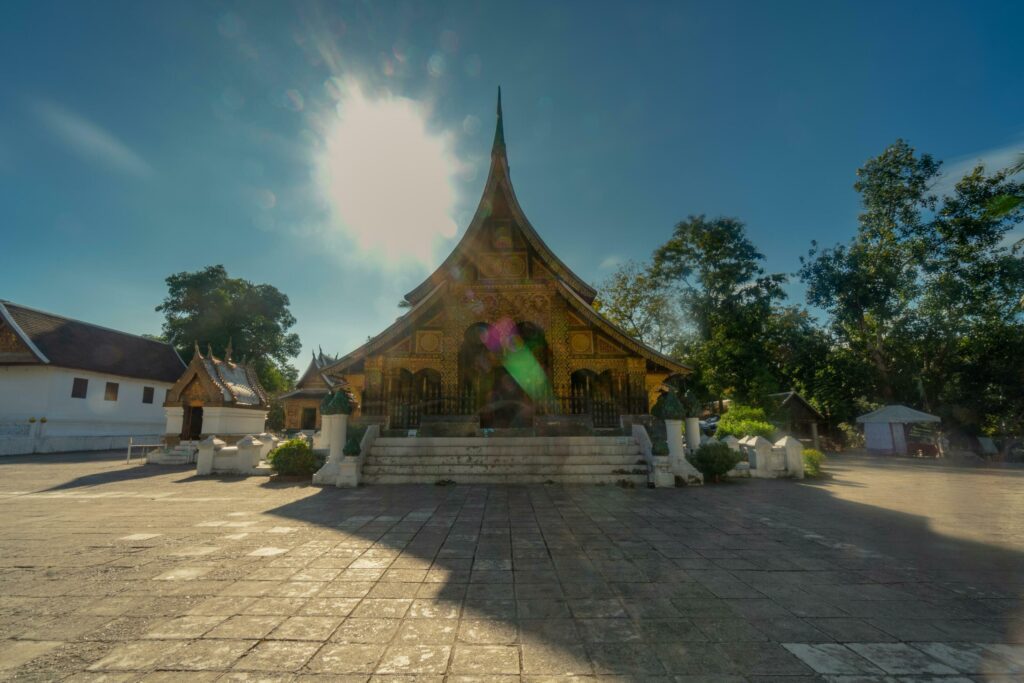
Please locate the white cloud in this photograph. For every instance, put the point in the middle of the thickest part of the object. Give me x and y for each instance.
(386, 178)
(89, 140)
(610, 262)
(993, 159)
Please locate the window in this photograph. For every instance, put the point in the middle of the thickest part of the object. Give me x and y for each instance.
(111, 393)
(79, 387)
(147, 394)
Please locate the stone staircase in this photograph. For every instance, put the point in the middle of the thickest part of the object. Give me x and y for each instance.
(181, 454)
(506, 460)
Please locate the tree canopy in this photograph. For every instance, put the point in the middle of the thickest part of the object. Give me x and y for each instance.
(209, 307)
(924, 305)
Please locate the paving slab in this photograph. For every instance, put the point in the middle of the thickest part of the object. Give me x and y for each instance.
(140, 573)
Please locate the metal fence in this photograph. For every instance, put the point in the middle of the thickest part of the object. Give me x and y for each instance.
(404, 410)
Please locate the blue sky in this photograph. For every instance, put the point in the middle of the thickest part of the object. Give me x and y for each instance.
(142, 139)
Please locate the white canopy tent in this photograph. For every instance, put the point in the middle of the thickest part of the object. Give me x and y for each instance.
(885, 428)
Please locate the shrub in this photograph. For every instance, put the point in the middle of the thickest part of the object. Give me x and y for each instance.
(352, 446)
(852, 437)
(668, 407)
(294, 457)
(341, 402)
(659, 448)
(812, 462)
(714, 460)
(741, 421)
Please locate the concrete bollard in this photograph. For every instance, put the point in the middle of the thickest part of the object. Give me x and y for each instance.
(793, 454)
(249, 450)
(204, 457)
(759, 452)
(732, 442)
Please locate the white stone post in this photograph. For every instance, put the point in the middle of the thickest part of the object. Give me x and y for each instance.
(249, 450)
(692, 433)
(793, 452)
(759, 451)
(674, 437)
(732, 442)
(325, 431)
(204, 457)
(337, 432)
(681, 467)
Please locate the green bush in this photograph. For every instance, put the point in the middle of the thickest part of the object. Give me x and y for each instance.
(668, 407)
(852, 437)
(812, 462)
(294, 457)
(352, 446)
(659, 447)
(741, 421)
(714, 460)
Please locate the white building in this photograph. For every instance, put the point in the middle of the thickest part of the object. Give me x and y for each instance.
(67, 385)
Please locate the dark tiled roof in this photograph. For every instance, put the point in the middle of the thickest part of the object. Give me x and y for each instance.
(305, 393)
(74, 344)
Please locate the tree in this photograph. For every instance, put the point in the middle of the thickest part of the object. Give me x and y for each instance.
(208, 307)
(727, 298)
(925, 294)
(641, 305)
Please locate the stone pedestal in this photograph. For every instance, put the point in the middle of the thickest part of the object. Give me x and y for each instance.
(663, 475)
(692, 433)
(793, 454)
(204, 457)
(681, 467)
(249, 454)
(336, 431)
(348, 472)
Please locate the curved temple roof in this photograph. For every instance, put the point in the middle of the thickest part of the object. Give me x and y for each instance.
(499, 181)
(578, 293)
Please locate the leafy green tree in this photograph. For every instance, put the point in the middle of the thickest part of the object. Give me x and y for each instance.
(726, 297)
(641, 304)
(925, 295)
(209, 307)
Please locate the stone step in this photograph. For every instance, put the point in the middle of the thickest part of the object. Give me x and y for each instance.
(526, 469)
(557, 450)
(633, 480)
(489, 459)
(519, 442)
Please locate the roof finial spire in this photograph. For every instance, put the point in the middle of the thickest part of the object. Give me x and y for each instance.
(209, 351)
(228, 351)
(499, 130)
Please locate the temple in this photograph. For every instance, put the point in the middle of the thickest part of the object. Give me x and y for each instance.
(503, 335)
(214, 396)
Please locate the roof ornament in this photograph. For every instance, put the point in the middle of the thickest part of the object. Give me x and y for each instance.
(196, 351)
(228, 351)
(209, 351)
(499, 131)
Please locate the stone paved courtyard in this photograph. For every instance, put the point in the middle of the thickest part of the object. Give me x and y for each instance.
(890, 571)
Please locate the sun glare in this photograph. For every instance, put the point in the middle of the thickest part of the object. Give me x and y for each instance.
(387, 178)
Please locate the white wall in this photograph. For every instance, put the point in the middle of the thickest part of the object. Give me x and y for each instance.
(222, 421)
(45, 392)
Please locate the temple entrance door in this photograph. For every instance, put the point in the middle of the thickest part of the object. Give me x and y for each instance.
(507, 404)
(503, 370)
(192, 423)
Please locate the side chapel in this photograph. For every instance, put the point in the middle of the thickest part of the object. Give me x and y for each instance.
(503, 332)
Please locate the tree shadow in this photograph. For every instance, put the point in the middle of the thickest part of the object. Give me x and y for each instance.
(674, 567)
(119, 472)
